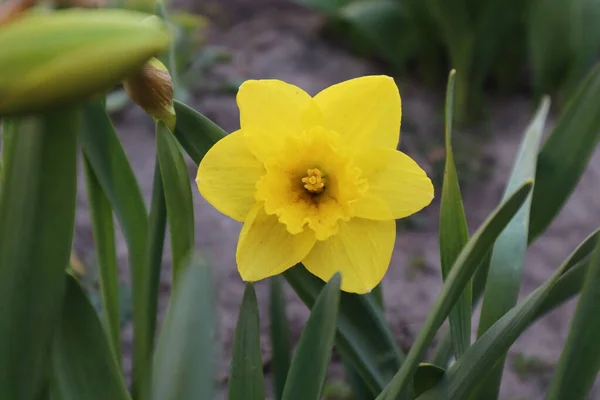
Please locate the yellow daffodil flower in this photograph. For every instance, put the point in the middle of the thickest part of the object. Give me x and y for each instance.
(316, 180)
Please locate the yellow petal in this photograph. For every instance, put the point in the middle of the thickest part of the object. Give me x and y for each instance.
(266, 248)
(398, 187)
(228, 174)
(270, 110)
(365, 111)
(361, 251)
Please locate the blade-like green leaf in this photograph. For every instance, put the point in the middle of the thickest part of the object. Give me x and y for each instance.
(454, 234)
(106, 255)
(109, 162)
(246, 380)
(37, 215)
(426, 377)
(83, 365)
(566, 154)
(548, 44)
(363, 334)
(465, 375)
(580, 360)
(326, 6)
(462, 271)
(178, 196)
(355, 382)
(381, 28)
(8, 132)
(508, 256)
(168, 58)
(363, 337)
(157, 226)
(185, 359)
(196, 133)
(568, 285)
(311, 359)
(280, 336)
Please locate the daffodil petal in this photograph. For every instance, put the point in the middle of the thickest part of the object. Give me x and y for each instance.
(365, 111)
(265, 248)
(398, 187)
(270, 110)
(227, 176)
(361, 251)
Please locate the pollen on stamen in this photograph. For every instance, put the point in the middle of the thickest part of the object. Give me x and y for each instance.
(314, 182)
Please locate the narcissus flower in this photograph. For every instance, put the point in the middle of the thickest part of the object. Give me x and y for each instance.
(316, 180)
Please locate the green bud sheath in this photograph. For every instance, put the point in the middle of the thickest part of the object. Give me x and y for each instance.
(49, 59)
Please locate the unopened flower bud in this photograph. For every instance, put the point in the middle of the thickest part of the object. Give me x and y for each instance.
(152, 89)
(49, 59)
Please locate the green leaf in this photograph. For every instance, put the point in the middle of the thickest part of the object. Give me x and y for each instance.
(363, 336)
(466, 374)
(566, 154)
(83, 364)
(280, 336)
(381, 28)
(168, 58)
(508, 256)
(196, 133)
(246, 380)
(326, 6)
(358, 387)
(178, 196)
(106, 254)
(454, 234)
(8, 133)
(580, 359)
(311, 359)
(460, 274)
(109, 162)
(157, 225)
(185, 359)
(37, 215)
(443, 350)
(426, 377)
(549, 50)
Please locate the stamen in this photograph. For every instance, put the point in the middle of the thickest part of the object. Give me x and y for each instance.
(314, 181)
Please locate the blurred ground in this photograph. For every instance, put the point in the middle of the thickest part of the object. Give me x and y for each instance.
(274, 39)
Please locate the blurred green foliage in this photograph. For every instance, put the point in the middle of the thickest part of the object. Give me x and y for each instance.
(546, 45)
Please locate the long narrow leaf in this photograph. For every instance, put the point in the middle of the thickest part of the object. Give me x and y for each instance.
(178, 196)
(106, 255)
(113, 171)
(508, 256)
(185, 359)
(246, 380)
(311, 359)
(454, 234)
(196, 133)
(580, 360)
(157, 225)
(566, 154)
(460, 274)
(280, 336)
(364, 336)
(465, 375)
(37, 215)
(83, 365)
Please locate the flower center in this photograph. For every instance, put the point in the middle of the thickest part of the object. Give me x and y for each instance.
(314, 182)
